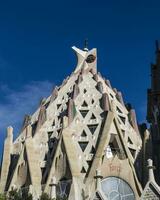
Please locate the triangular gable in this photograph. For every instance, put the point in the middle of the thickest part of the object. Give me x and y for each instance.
(105, 137)
(118, 147)
(14, 178)
(21, 170)
(151, 191)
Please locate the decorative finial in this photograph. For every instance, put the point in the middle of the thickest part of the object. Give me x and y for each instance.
(151, 168)
(157, 46)
(98, 178)
(86, 45)
(9, 131)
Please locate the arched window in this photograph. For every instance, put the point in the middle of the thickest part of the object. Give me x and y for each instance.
(115, 188)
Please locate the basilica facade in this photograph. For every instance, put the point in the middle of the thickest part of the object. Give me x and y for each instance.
(83, 142)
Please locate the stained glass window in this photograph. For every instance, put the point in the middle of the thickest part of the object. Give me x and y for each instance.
(115, 188)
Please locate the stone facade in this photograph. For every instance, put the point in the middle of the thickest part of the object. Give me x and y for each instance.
(83, 142)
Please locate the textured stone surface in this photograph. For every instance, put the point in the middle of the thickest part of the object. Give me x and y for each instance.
(82, 127)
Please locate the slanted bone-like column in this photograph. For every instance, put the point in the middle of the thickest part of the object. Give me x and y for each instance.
(100, 87)
(95, 77)
(133, 120)
(29, 131)
(54, 94)
(108, 83)
(120, 98)
(26, 122)
(42, 116)
(80, 79)
(75, 91)
(105, 102)
(71, 111)
(6, 158)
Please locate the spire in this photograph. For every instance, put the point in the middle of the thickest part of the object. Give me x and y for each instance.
(86, 59)
(155, 69)
(150, 169)
(157, 53)
(10, 131)
(157, 46)
(86, 45)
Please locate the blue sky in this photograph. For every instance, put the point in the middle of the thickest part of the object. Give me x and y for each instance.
(35, 53)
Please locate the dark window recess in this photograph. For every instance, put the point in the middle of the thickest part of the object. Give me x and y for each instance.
(98, 196)
(83, 145)
(84, 104)
(93, 151)
(118, 110)
(111, 95)
(77, 81)
(34, 126)
(58, 105)
(123, 119)
(111, 145)
(129, 140)
(92, 101)
(133, 152)
(123, 132)
(116, 150)
(59, 118)
(63, 113)
(59, 131)
(51, 146)
(85, 91)
(83, 170)
(93, 116)
(43, 171)
(83, 134)
(53, 140)
(47, 104)
(69, 94)
(50, 133)
(53, 123)
(104, 114)
(72, 94)
(83, 113)
(52, 143)
(92, 128)
(89, 162)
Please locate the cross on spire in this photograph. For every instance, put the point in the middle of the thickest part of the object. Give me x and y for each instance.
(86, 45)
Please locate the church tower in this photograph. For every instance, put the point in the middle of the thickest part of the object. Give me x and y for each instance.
(81, 143)
(153, 111)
